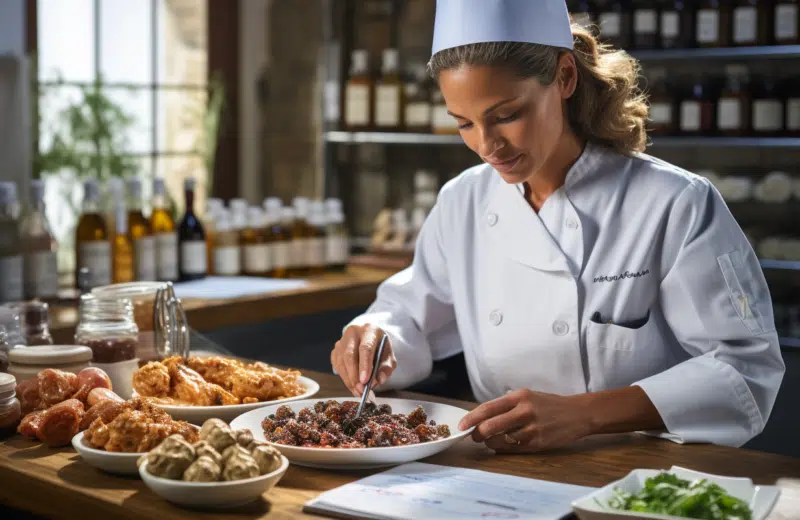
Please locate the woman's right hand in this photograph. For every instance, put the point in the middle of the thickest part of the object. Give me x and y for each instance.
(353, 357)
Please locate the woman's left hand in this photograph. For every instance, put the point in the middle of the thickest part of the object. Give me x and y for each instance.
(528, 421)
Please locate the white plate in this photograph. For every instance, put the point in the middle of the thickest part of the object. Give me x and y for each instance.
(593, 506)
(213, 494)
(108, 461)
(362, 458)
(200, 414)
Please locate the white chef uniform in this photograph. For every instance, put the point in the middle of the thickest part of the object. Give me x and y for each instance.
(633, 272)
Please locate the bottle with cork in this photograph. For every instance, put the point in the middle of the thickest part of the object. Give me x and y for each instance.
(140, 234)
(92, 241)
(165, 235)
(11, 271)
(389, 94)
(193, 256)
(40, 265)
(358, 93)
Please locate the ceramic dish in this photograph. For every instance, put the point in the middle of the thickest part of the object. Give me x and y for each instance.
(361, 458)
(593, 506)
(108, 461)
(213, 494)
(200, 414)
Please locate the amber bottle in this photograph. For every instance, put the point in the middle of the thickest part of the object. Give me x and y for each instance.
(713, 23)
(646, 31)
(92, 240)
(787, 22)
(733, 106)
(768, 108)
(663, 113)
(358, 93)
(165, 234)
(677, 24)
(140, 234)
(615, 23)
(752, 23)
(697, 109)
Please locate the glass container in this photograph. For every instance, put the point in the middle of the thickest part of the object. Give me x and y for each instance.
(35, 319)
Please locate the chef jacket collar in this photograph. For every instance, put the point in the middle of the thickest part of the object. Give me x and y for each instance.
(587, 163)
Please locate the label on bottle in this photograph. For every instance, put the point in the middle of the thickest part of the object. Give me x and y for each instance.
(785, 22)
(337, 250)
(194, 257)
(298, 252)
(729, 114)
(745, 25)
(670, 24)
(707, 25)
(257, 258)
(167, 256)
(610, 24)
(767, 115)
(690, 116)
(645, 21)
(227, 260)
(96, 256)
(281, 255)
(661, 113)
(316, 251)
(11, 278)
(418, 114)
(442, 120)
(356, 110)
(145, 257)
(582, 18)
(387, 105)
(41, 274)
(793, 114)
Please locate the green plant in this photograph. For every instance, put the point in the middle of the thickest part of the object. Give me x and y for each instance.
(210, 119)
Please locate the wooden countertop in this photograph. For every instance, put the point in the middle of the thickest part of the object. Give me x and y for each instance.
(327, 292)
(58, 484)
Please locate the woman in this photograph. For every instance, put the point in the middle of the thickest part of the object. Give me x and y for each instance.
(593, 289)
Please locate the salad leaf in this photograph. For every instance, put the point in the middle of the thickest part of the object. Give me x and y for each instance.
(668, 494)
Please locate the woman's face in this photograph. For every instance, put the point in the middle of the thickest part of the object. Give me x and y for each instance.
(513, 124)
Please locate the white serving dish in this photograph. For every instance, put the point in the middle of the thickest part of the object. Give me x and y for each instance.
(361, 458)
(108, 461)
(200, 414)
(26, 362)
(593, 506)
(213, 494)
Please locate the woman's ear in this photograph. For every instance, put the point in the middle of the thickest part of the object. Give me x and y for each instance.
(567, 75)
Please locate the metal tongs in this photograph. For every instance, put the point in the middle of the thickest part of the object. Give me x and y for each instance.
(347, 425)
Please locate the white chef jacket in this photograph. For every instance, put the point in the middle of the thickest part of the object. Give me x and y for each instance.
(634, 272)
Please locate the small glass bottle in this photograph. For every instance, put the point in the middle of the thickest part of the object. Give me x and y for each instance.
(317, 221)
(733, 107)
(441, 121)
(166, 236)
(122, 255)
(663, 108)
(645, 25)
(192, 239)
(787, 22)
(92, 239)
(790, 87)
(140, 234)
(615, 23)
(697, 109)
(677, 24)
(713, 24)
(11, 272)
(301, 233)
(389, 94)
(752, 23)
(35, 317)
(257, 261)
(213, 208)
(281, 244)
(337, 244)
(358, 93)
(40, 262)
(768, 108)
(417, 97)
(226, 253)
(11, 321)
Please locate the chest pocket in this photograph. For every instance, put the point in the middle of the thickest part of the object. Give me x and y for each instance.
(748, 296)
(618, 356)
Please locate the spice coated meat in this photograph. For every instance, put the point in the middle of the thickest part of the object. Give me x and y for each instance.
(321, 426)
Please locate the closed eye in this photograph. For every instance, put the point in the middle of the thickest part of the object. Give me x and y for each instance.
(508, 119)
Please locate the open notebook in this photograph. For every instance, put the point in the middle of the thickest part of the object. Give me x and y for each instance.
(418, 490)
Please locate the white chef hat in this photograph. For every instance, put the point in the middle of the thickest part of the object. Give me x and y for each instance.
(461, 22)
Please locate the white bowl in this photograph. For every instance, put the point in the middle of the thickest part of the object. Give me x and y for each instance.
(200, 414)
(361, 458)
(593, 506)
(108, 461)
(213, 494)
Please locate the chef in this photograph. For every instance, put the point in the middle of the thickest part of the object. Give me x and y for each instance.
(592, 288)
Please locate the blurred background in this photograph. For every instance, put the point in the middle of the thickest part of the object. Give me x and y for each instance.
(310, 145)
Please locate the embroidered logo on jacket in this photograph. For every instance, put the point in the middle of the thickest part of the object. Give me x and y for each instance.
(618, 277)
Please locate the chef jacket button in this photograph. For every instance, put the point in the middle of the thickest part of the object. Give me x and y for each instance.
(495, 318)
(491, 218)
(572, 223)
(560, 328)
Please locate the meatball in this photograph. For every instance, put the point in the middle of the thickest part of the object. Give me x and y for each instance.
(284, 412)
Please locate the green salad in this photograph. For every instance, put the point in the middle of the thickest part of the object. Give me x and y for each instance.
(668, 494)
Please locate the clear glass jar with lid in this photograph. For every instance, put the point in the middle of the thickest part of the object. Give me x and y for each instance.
(10, 409)
(4, 348)
(11, 320)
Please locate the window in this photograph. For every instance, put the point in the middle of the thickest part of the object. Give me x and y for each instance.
(149, 57)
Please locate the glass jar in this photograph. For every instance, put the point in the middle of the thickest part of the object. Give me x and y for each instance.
(4, 348)
(10, 409)
(35, 319)
(11, 320)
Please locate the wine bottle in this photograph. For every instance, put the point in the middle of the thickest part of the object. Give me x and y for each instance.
(191, 239)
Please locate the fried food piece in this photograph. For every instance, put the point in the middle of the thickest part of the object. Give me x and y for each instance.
(60, 423)
(28, 395)
(171, 458)
(417, 417)
(204, 469)
(152, 380)
(204, 449)
(267, 458)
(239, 465)
(56, 386)
(137, 429)
(106, 410)
(189, 387)
(30, 424)
(218, 434)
